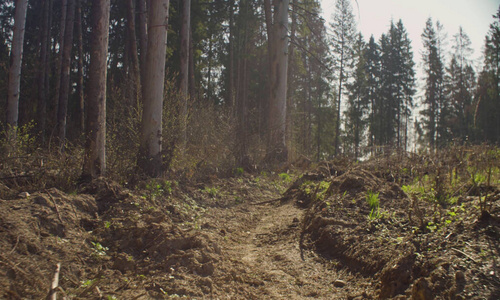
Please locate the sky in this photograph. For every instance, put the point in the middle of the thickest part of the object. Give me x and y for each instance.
(374, 17)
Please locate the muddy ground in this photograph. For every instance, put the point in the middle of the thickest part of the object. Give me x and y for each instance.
(253, 236)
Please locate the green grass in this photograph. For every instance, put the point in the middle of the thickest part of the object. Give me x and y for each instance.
(373, 202)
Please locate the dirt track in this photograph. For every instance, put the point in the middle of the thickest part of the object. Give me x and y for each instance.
(266, 247)
(220, 241)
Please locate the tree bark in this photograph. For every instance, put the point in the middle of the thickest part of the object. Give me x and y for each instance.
(184, 70)
(277, 151)
(339, 101)
(191, 80)
(134, 73)
(230, 92)
(95, 146)
(150, 160)
(80, 88)
(16, 57)
(143, 39)
(62, 112)
(291, 69)
(43, 74)
(62, 30)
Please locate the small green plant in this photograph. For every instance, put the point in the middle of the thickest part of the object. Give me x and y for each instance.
(239, 171)
(87, 283)
(107, 224)
(99, 249)
(431, 226)
(212, 192)
(285, 177)
(373, 202)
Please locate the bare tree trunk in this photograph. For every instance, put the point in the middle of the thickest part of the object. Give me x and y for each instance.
(191, 80)
(150, 160)
(184, 71)
(133, 53)
(80, 88)
(62, 113)
(339, 101)
(95, 146)
(241, 99)
(291, 69)
(143, 39)
(277, 151)
(16, 58)
(230, 94)
(62, 30)
(42, 75)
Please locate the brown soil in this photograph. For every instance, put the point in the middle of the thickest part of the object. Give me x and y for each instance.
(239, 238)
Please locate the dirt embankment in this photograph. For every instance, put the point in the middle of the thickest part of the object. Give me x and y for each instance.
(246, 238)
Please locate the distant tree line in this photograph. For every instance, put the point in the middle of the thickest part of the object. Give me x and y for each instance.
(141, 75)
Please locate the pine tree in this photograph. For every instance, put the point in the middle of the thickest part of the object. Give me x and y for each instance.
(358, 100)
(373, 68)
(150, 152)
(16, 57)
(488, 92)
(434, 77)
(343, 39)
(95, 146)
(397, 81)
(460, 85)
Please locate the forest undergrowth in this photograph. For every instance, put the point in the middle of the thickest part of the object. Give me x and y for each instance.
(396, 226)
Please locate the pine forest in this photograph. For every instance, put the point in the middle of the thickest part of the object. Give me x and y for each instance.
(245, 149)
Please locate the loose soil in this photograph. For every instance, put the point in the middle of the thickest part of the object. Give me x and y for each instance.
(249, 237)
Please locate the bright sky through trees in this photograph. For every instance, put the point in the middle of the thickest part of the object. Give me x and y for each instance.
(374, 16)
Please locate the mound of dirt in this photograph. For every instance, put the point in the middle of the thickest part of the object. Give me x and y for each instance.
(383, 242)
(110, 242)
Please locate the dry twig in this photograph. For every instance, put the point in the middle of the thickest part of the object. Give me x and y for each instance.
(55, 206)
(55, 284)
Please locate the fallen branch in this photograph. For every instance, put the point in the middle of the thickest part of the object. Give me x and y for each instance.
(55, 206)
(16, 176)
(464, 254)
(267, 201)
(55, 284)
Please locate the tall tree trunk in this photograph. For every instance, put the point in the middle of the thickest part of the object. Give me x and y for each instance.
(277, 151)
(59, 60)
(42, 75)
(95, 146)
(339, 101)
(134, 73)
(291, 70)
(143, 39)
(62, 113)
(230, 93)
(80, 88)
(16, 58)
(184, 70)
(191, 80)
(241, 100)
(150, 160)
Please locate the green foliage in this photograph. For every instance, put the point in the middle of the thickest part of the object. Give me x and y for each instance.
(285, 177)
(99, 249)
(87, 283)
(156, 188)
(239, 171)
(373, 202)
(211, 191)
(18, 141)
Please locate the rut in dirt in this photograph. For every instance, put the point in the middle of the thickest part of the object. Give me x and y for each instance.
(266, 249)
